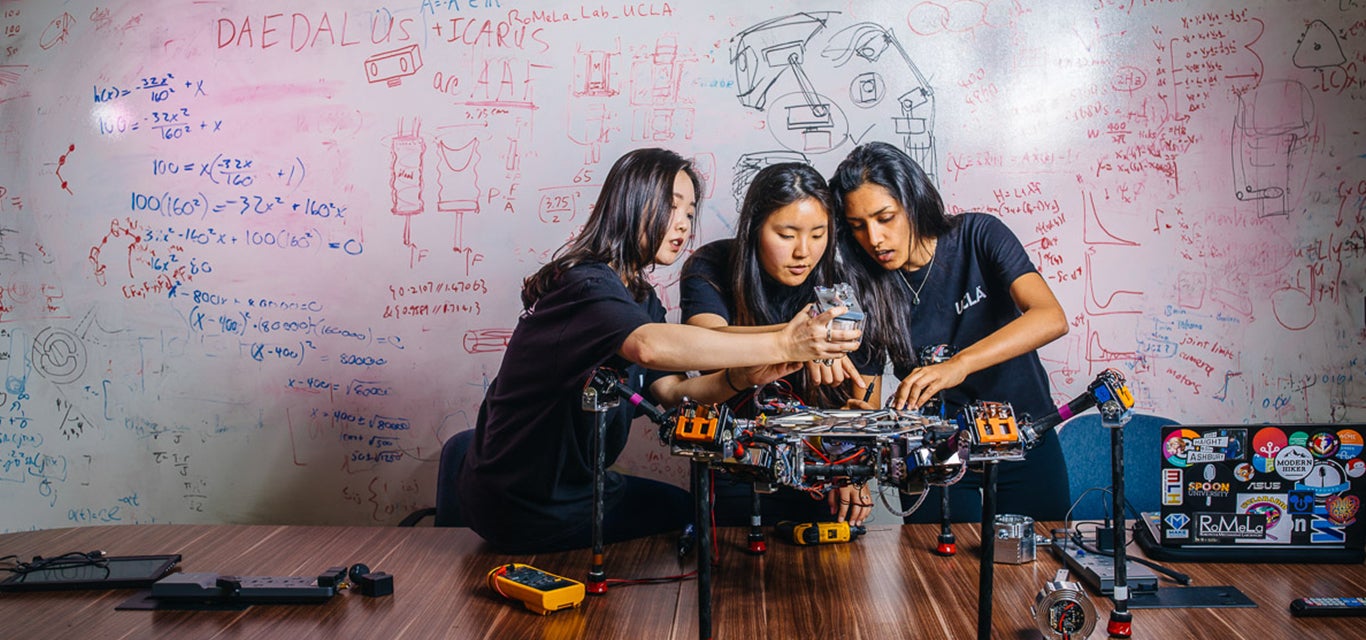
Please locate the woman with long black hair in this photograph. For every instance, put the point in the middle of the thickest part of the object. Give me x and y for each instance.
(782, 250)
(965, 281)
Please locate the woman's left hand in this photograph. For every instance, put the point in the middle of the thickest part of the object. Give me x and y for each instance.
(851, 503)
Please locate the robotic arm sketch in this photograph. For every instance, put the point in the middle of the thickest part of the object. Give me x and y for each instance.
(869, 42)
(803, 94)
(763, 53)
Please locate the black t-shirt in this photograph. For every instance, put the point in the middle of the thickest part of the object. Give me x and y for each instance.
(528, 475)
(707, 286)
(966, 299)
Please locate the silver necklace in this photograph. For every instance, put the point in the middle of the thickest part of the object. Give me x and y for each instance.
(915, 293)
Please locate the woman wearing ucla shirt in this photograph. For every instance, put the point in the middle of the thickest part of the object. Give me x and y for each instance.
(926, 279)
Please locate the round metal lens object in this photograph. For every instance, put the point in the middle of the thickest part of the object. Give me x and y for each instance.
(1062, 611)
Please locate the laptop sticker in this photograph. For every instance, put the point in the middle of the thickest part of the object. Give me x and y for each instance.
(1265, 445)
(1271, 506)
(1349, 444)
(1293, 462)
(1177, 445)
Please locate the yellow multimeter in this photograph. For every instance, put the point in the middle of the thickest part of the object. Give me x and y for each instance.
(806, 533)
(538, 590)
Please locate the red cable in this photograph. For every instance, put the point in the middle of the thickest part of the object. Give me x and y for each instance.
(813, 448)
(502, 571)
(853, 456)
(626, 582)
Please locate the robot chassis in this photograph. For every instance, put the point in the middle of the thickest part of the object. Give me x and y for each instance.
(792, 445)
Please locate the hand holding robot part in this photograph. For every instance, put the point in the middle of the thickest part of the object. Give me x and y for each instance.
(814, 336)
(841, 295)
(925, 382)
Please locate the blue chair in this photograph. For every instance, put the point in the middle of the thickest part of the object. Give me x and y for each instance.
(1086, 448)
(447, 509)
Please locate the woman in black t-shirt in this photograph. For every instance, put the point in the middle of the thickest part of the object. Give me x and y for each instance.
(964, 281)
(781, 251)
(527, 481)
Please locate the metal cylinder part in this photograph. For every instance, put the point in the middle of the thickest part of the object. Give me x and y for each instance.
(1014, 538)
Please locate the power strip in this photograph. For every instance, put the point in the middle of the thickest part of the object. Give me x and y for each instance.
(1099, 571)
(212, 587)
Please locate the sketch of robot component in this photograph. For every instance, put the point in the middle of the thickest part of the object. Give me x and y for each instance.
(867, 43)
(486, 340)
(457, 177)
(1318, 48)
(61, 162)
(590, 129)
(803, 120)
(853, 64)
(764, 53)
(806, 128)
(590, 121)
(1190, 289)
(867, 90)
(595, 73)
(391, 67)
(750, 164)
(515, 136)
(1273, 132)
(661, 112)
(59, 355)
(405, 176)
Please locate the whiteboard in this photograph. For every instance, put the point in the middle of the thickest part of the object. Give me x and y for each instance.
(258, 260)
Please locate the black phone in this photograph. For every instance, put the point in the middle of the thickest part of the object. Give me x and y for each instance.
(112, 572)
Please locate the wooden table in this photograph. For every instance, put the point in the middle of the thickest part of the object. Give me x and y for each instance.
(887, 584)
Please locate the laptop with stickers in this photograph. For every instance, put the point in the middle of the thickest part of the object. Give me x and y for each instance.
(1260, 493)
